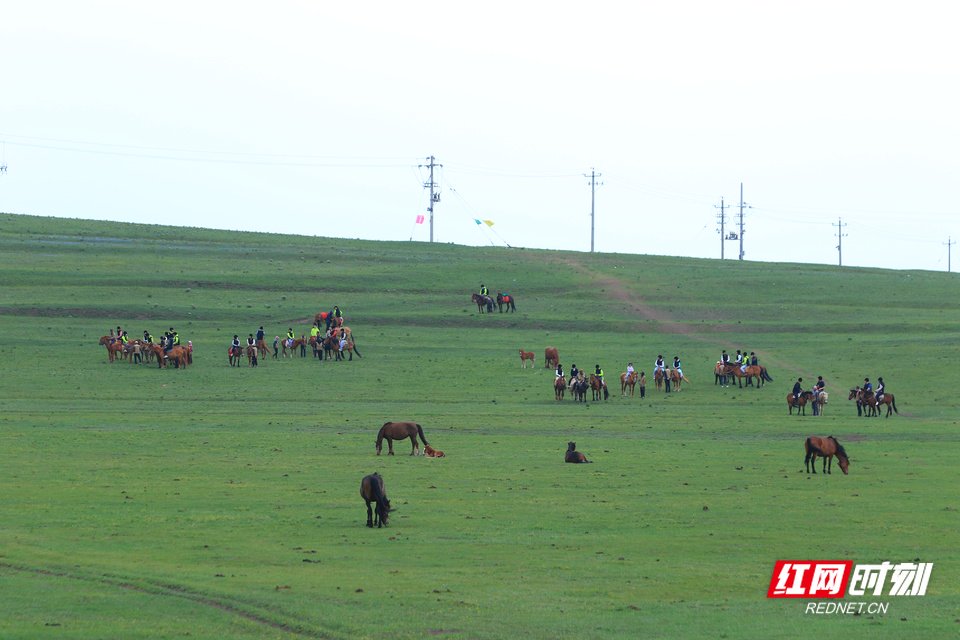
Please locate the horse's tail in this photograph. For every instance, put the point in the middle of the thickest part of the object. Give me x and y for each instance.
(420, 431)
(765, 375)
(893, 401)
(355, 350)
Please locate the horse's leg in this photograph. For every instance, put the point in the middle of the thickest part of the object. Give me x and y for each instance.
(415, 446)
(369, 515)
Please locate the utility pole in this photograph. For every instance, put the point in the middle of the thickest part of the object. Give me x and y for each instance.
(593, 192)
(434, 195)
(742, 206)
(949, 244)
(722, 217)
(840, 235)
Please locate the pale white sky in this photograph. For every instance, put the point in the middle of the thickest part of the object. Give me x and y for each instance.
(312, 118)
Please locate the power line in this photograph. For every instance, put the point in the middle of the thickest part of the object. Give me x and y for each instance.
(722, 218)
(950, 242)
(434, 195)
(840, 236)
(593, 193)
(742, 206)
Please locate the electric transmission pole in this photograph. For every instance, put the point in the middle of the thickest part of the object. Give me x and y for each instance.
(434, 195)
(593, 191)
(840, 235)
(949, 244)
(742, 206)
(722, 218)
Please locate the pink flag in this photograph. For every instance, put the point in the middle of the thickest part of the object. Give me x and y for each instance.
(420, 219)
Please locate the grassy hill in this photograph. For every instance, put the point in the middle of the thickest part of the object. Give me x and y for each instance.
(223, 502)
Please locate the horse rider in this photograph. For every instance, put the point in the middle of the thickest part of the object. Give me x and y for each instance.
(559, 370)
(867, 387)
(744, 362)
(337, 315)
(659, 366)
(724, 358)
(315, 334)
(236, 342)
(797, 388)
(676, 365)
(599, 374)
(260, 334)
(291, 336)
(573, 372)
(878, 394)
(250, 341)
(484, 291)
(753, 359)
(738, 359)
(124, 339)
(174, 338)
(147, 337)
(630, 370)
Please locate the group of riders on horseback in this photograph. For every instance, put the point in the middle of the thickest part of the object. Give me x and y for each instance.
(628, 380)
(167, 349)
(333, 341)
(742, 366)
(483, 300)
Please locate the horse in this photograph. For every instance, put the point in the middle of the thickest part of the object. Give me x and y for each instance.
(483, 301)
(826, 448)
(819, 400)
(113, 346)
(550, 356)
(559, 387)
(596, 385)
(658, 376)
(800, 403)
(628, 381)
(252, 359)
(505, 300)
(573, 455)
(524, 356)
(262, 349)
(871, 402)
(233, 355)
(372, 490)
(179, 356)
(720, 374)
(398, 431)
(430, 452)
(676, 378)
(856, 395)
(578, 386)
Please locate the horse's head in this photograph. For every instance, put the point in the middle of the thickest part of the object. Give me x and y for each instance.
(571, 446)
(853, 394)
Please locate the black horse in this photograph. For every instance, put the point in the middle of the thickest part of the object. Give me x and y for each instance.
(505, 300)
(483, 301)
(371, 490)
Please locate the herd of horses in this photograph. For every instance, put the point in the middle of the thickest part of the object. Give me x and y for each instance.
(504, 301)
(139, 351)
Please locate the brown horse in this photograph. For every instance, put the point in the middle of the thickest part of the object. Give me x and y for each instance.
(628, 381)
(179, 356)
(870, 401)
(676, 379)
(799, 403)
(372, 490)
(262, 350)
(252, 359)
(573, 455)
(597, 386)
(658, 376)
(505, 300)
(233, 355)
(559, 387)
(826, 448)
(551, 357)
(524, 356)
(483, 301)
(157, 351)
(399, 431)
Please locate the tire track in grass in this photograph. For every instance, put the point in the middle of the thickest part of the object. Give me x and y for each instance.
(165, 589)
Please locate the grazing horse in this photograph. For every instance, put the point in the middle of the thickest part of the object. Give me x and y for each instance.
(573, 455)
(233, 355)
(505, 300)
(826, 448)
(800, 403)
(524, 356)
(559, 387)
(579, 386)
(371, 490)
(550, 356)
(628, 381)
(483, 301)
(398, 431)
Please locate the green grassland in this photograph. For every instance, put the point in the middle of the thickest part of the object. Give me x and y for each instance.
(219, 502)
